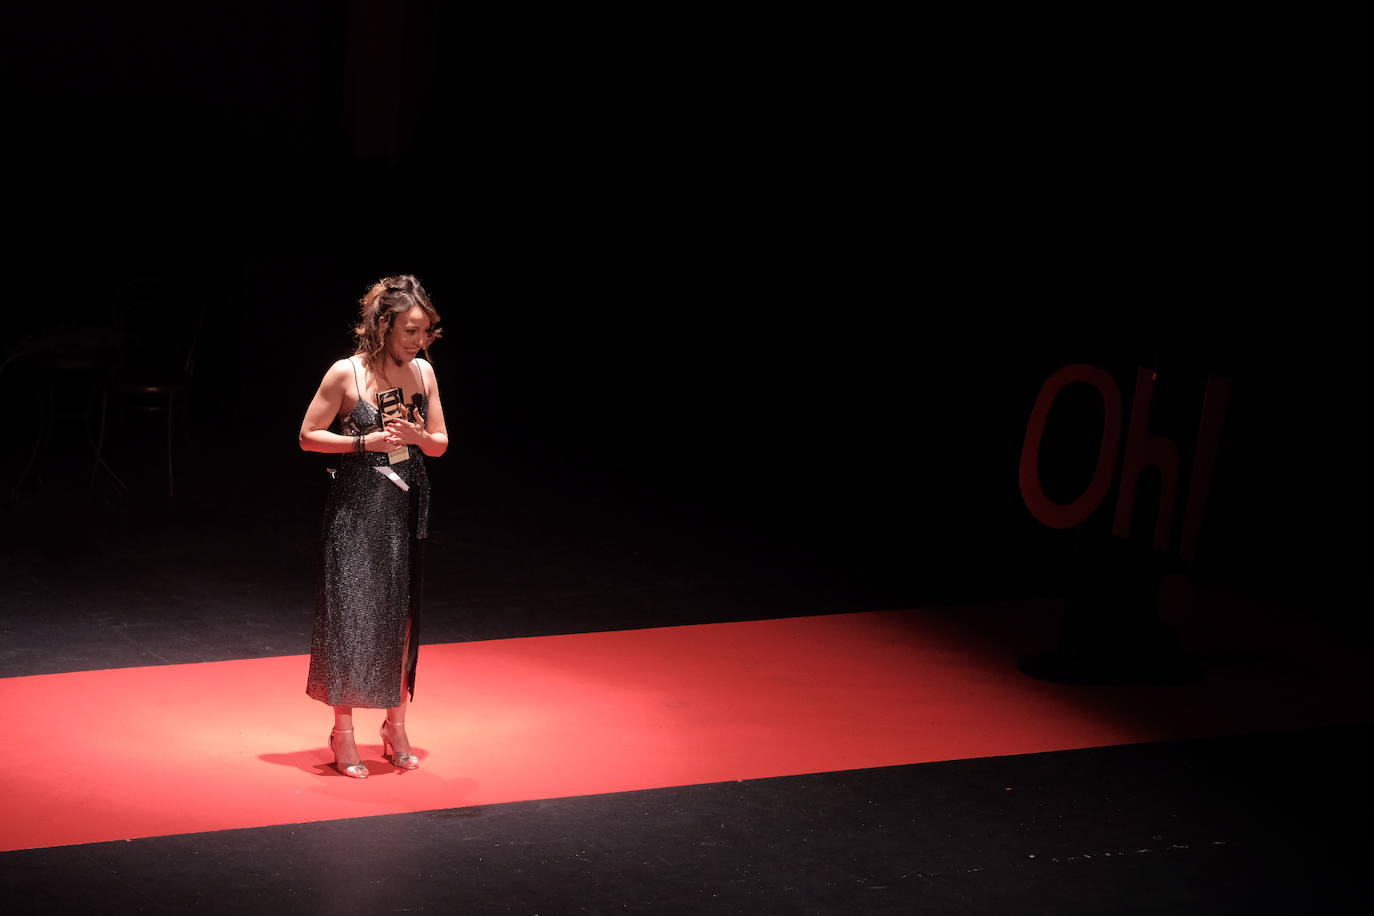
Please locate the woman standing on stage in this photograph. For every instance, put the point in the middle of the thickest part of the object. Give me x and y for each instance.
(364, 647)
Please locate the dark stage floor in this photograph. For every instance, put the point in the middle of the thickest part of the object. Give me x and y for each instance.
(1268, 823)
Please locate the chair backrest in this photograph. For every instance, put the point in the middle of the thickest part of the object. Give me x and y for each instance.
(157, 322)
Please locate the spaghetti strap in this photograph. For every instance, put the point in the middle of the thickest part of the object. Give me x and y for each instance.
(424, 384)
(356, 383)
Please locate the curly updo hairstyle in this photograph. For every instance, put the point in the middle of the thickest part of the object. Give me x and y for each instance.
(386, 299)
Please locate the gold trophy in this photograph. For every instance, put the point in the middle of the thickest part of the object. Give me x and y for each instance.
(391, 406)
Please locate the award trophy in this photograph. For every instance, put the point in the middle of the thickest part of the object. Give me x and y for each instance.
(391, 407)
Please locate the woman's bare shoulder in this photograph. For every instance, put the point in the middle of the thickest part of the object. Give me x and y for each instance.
(338, 374)
(426, 369)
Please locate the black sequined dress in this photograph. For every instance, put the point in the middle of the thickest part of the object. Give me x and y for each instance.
(372, 572)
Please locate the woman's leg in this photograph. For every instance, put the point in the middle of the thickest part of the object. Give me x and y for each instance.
(341, 739)
(396, 724)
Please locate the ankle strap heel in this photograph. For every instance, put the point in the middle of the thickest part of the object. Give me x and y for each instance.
(356, 770)
(394, 757)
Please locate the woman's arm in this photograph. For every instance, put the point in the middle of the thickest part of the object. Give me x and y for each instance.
(434, 426)
(319, 416)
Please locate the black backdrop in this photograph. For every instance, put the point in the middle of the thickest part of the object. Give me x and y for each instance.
(801, 286)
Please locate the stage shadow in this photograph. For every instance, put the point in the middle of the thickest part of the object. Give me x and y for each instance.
(319, 761)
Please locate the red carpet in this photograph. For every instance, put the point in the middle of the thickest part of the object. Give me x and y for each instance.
(116, 754)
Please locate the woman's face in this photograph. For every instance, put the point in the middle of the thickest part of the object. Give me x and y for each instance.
(408, 335)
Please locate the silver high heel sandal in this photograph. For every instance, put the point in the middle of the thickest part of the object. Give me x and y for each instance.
(356, 770)
(395, 758)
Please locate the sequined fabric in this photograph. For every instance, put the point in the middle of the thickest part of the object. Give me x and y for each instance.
(371, 573)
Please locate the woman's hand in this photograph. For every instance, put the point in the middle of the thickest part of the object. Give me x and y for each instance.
(405, 432)
(380, 441)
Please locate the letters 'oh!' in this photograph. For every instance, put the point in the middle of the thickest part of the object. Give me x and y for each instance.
(1142, 451)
